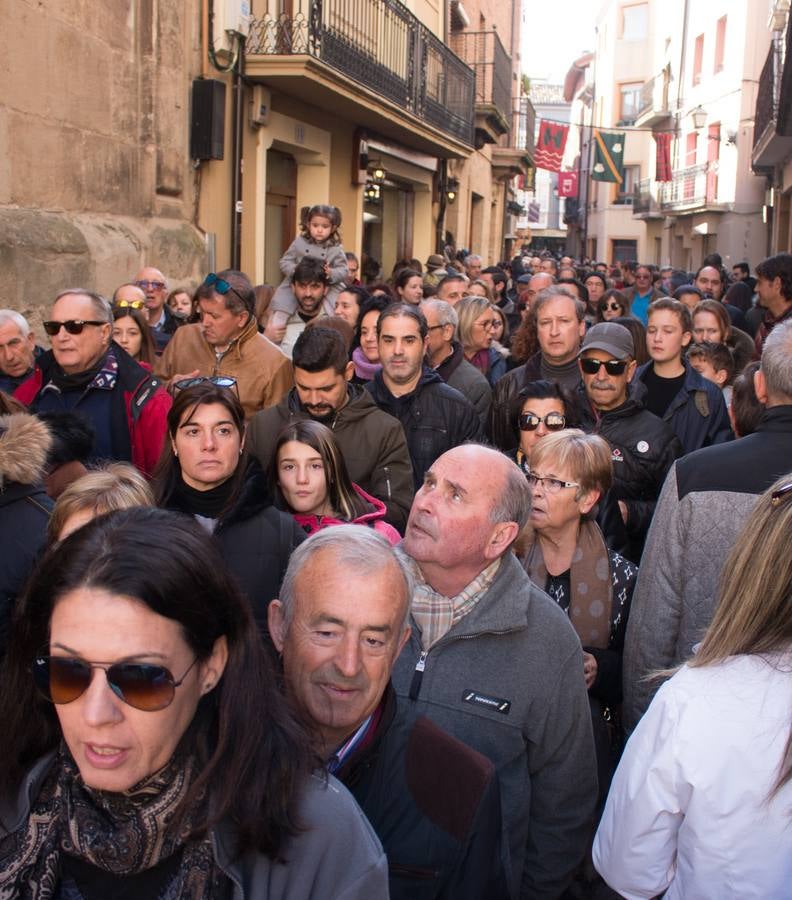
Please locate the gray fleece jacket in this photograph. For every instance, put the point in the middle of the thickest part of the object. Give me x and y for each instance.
(507, 680)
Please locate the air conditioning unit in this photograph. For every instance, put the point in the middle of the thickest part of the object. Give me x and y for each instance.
(231, 22)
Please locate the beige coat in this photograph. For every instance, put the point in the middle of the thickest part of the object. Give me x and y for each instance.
(263, 373)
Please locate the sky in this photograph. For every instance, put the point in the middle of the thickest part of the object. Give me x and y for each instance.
(552, 40)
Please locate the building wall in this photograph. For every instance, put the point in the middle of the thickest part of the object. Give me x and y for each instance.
(94, 122)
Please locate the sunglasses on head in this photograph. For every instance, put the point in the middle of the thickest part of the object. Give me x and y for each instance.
(72, 326)
(221, 286)
(612, 366)
(130, 304)
(62, 679)
(552, 422)
(223, 381)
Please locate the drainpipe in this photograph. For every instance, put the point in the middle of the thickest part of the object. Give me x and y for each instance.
(238, 120)
(442, 179)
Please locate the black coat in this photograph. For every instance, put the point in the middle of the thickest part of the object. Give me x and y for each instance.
(435, 418)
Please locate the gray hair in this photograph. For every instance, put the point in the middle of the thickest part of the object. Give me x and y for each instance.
(471, 258)
(11, 316)
(514, 503)
(558, 290)
(101, 307)
(364, 550)
(446, 314)
(777, 361)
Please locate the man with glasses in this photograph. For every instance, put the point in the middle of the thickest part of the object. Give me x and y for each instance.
(643, 446)
(85, 373)
(161, 320)
(642, 292)
(227, 342)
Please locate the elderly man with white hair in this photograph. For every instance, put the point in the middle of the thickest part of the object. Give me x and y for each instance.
(18, 350)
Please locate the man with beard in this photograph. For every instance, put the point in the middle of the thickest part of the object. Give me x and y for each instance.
(372, 442)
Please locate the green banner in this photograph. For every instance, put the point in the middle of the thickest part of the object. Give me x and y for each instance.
(608, 156)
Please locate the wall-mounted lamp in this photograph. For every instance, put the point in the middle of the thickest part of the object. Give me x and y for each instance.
(371, 192)
(378, 172)
(699, 116)
(451, 189)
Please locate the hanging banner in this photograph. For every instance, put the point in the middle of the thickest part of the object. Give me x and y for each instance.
(608, 156)
(663, 157)
(550, 146)
(567, 184)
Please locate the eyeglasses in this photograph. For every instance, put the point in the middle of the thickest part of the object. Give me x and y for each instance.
(612, 366)
(72, 326)
(223, 381)
(435, 327)
(613, 307)
(552, 421)
(490, 323)
(222, 286)
(551, 485)
(130, 304)
(777, 496)
(62, 679)
(151, 285)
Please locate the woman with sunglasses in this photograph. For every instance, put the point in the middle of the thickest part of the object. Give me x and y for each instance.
(132, 333)
(205, 472)
(147, 750)
(700, 804)
(612, 304)
(311, 481)
(476, 331)
(567, 557)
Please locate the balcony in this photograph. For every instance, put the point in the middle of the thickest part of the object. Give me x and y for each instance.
(654, 106)
(485, 54)
(692, 189)
(772, 125)
(644, 201)
(514, 153)
(372, 62)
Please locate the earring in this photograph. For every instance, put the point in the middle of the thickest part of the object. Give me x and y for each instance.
(175, 452)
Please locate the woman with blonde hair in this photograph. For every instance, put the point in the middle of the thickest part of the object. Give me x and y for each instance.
(116, 486)
(701, 804)
(476, 333)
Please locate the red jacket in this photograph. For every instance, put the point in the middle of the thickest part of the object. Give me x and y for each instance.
(146, 404)
(375, 519)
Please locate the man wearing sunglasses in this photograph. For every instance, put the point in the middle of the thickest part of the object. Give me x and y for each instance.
(161, 320)
(227, 342)
(643, 446)
(88, 374)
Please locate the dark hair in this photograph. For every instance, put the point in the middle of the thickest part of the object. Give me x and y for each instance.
(715, 260)
(582, 289)
(72, 437)
(402, 276)
(320, 348)
(241, 299)
(407, 310)
(547, 390)
(383, 289)
(612, 294)
(638, 332)
(718, 355)
(346, 503)
(251, 755)
(778, 266)
(743, 267)
(373, 304)
(498, 275)
(677, 307)
(147, 351)
(599, 276)
(739, 295)
(331, 213)
(687, 289)
(746, 409)
(310, 270)
(167, 474)
(449, 278)
(360, 293)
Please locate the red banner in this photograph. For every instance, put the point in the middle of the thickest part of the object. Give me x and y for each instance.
(567, 184)
(663, 158)
(550, 146)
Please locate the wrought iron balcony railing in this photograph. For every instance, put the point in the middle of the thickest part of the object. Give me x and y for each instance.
(654, 99)
(380, 45)
(768, 93)
(521, 135)
(691, 188)
(485, 54)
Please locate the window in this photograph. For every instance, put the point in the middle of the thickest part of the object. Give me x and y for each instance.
(623, 250)
(629, 102)
(698, 59)
(626, 190)
(720, 44)
(635, 22)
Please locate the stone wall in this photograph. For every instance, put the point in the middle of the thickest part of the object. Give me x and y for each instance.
(94, 127)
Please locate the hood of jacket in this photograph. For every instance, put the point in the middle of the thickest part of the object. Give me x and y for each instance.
(313, 523)
(25, 442)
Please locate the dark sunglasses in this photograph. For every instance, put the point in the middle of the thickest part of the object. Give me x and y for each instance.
(223, 381)
(73, 326)
(62, 679)
(552, 421)
(130, 304)
(221, 286)
(612, 366)
(612, 306)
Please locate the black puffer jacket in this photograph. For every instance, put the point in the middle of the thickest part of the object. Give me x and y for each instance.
(643, 450)
(24, 507)
(435, 418)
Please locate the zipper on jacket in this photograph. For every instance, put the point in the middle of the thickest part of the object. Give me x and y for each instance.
(386, 470)
(415, 684)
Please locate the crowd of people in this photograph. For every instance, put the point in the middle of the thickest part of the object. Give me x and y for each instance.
(469, 583)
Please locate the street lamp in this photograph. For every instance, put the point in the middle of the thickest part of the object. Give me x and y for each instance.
(699, 116)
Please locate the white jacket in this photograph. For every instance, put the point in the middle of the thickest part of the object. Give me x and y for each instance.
(688, 810)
